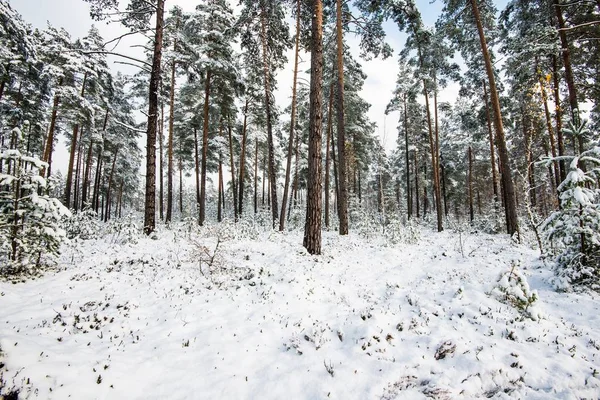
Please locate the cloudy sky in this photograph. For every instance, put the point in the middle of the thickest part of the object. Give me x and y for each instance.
(73, 15)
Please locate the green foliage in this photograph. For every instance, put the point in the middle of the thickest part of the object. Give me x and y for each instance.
(512, 288)
(30, 220)
(574, 230)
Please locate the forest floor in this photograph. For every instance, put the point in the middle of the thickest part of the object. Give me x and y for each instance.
(372, 318)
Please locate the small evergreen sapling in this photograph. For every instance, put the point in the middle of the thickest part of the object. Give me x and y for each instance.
(30, 232)
(574, 229)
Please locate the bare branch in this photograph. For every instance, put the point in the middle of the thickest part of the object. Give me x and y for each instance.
(570, 28)
(117, 55)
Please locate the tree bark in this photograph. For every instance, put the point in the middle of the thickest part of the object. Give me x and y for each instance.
(510, 205)
(197, 167)
(556, 168)
(416, 168)
(267, 84)
(312, 228)
(491, 139)
(49, 148)
(436, 166)
(242, 161)
(74, 143)
(202, 211)
(327, 153)
(292, 124)
(470, 185)
(408, 194)
(161, 195)
(566, 56)
(342, 199)
(233, 186)
(150, 197)
(110, 179)
(170, 143)
(256, 177)
(558, 119)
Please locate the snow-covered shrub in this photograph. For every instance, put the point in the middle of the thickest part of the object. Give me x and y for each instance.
(512, 288)
(406, 233)
(30, 220)
(84, 225)
(124, 230)
(574, 230)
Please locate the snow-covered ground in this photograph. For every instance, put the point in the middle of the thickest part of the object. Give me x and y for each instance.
(366, 320)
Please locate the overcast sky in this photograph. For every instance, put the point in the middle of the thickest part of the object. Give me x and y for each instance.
(73, 15)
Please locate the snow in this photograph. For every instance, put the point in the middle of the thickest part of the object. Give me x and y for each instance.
(136, 317)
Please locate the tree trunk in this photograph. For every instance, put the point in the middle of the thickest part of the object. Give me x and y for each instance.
(242, 161)
(78, 163)
(256, 177)
(408, 194)
(491, 139)
(161, 151)
(443, 179)
(312, 228)
(436, 166)
(566, 56)
(202, 212)
(170, 145)
(110, 179)
(219, 201)
(542, 82)
(49, 149)
(97, 180)
(267, 84)
(416, 168)
(292, 124)
(74, 143)
(180, 184)
(342, 199)
(558, 118)
(510, 206)
(233, 187)
(470, 185)
(150, 197)
(327, 153)
(196, 167)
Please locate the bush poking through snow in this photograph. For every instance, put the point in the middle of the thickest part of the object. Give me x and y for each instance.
(83, 225)
(512, 288)
(445, 349)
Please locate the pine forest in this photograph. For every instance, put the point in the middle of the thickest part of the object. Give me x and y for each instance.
(305, 199)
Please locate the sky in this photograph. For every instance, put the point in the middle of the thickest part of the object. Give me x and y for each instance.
(73, 15)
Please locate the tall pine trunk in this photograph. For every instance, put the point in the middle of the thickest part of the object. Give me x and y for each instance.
(49, 148)
(202, 210)
(312, 228)
(510, 200)
(196, 167)
(233, 183)
(566, 56)
(492, 150)
(170, 144)
(327, 153)
(150, 196)
(342, 199)
(407, 162)
(74, 143)
(243, 160)
(161, 151)
(292, 124)
(267, 84)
